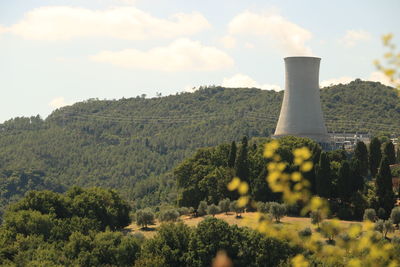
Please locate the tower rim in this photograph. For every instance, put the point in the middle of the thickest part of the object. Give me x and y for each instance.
(301, 57)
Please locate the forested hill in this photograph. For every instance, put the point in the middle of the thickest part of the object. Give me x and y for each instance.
(131, 144)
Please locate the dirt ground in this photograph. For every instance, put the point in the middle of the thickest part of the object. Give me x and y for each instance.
(248, 219)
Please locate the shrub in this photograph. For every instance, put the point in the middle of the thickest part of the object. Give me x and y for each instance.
(213, 209)
(369, 215)
(224, 205)
(144, 217)
(169, 216)
(395, 216)
(277, 211)
(202, 208)
(306, 232)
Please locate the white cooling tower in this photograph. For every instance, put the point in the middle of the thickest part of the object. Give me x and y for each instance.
(301, 113)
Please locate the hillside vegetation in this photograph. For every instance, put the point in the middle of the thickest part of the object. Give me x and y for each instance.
(132, 144)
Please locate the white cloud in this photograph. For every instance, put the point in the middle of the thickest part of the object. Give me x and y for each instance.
(58, 102)
(127, 2)
(182, 54)
(2, 29)
(190, 88)
(288, 36)
(228, 41)
(334, 81)
(249, 45)
(352, 37)
(243, 81)
(378, 76)
(125, 22)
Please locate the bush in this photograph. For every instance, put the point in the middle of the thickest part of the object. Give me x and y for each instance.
(169, 216)
(144, 217)
(213, 209)
(277, 211)
(369, 215)
(202, 208)
(395, 216)
(224, 205)
(306, 232)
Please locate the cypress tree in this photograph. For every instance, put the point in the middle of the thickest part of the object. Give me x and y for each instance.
(375, 155)
(242, 163)
(357, 180)
(384, 186)
(361, 154)
(344, 181)
(323, 176)
(311, 176)
(232, 155)
(388, 151)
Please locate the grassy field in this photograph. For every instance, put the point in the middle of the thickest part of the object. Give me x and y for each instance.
(248, 219)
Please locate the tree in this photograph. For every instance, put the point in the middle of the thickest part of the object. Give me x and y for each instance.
(361, 154)
(213, 209)
(169, 215)
(384, 186)
(357, 179)
(323, 173)
(235, 208)
(330, 230)
(395, 216)
(263, 207)
(277, 211)
(224, 205)
(398, 155)
(384, 227)
(375, 155)
(344, 181)
(242, 163)
(316, 217)
(202, 208)
(144, 217)
(232, 155)
(389, 152)
(169, 246)
(370, 215)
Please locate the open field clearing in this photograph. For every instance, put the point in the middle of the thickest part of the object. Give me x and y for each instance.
(248, 219)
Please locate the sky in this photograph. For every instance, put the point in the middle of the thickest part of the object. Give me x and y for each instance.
(57, 52)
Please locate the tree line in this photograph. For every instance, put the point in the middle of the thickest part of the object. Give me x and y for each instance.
(351, 181)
